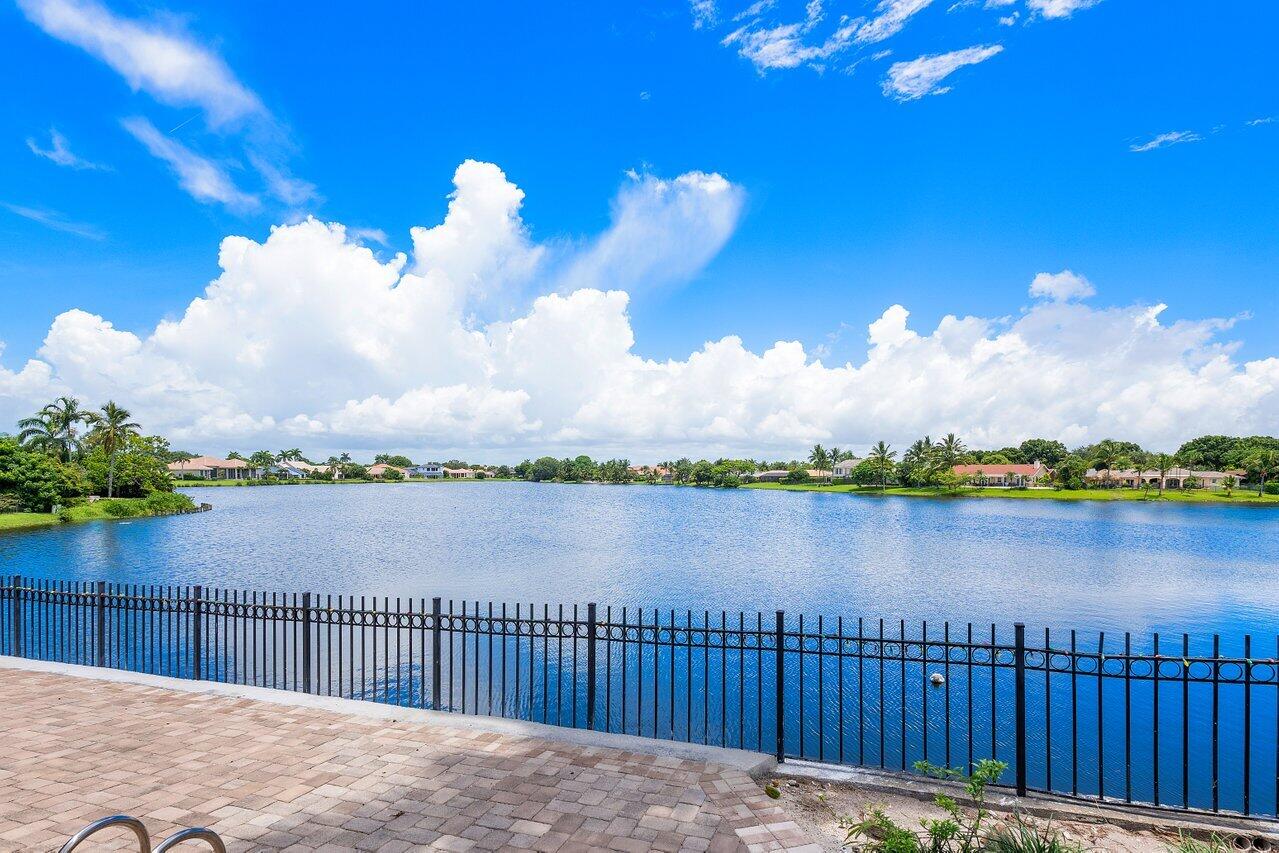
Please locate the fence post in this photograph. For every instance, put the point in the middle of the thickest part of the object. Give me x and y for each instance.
(100, 628)
(197, 632)
(781, 685)
(1019, 703)
(306, 642)
(435, 654)
(16, 615)
(590, 666)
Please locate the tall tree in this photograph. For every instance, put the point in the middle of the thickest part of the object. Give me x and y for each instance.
(1163, 464)
(1106, 455)
(1266, 464)
(54, 428)
(111, 428)
(882, 455)
(951, 449)
(820, 458)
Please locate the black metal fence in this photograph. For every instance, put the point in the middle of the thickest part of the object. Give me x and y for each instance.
(1100, 719)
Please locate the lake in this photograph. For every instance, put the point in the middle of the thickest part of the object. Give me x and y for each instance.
(943, 691)
(1091, 566)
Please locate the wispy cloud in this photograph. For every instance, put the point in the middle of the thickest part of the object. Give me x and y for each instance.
(1059, 8)
(788, 45)
(704, 13)
(908, 81)
(56, 221)
(890, 17)
(1163, 140)
(167, 64)
(60, 152)
(1256, 122)
(161, 59)
(203, 179)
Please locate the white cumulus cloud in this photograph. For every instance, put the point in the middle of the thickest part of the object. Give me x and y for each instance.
(308, 338)
(1062, 286)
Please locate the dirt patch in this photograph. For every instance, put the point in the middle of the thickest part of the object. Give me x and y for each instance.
(818, 807)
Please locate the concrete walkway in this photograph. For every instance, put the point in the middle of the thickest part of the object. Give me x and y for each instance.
(280, 776)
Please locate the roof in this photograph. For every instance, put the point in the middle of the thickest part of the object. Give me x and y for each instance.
(204, 463)
(998, 470)
(382, 467)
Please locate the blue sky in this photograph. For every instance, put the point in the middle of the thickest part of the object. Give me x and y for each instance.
(854, 196)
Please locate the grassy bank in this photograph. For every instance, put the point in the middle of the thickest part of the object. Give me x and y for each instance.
(103, 510)
(1197, 496)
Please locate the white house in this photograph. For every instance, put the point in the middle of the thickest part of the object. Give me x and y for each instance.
(844, 468)
(429, 471)
(295, 469)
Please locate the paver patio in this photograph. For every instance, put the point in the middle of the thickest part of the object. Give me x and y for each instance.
(278, 777)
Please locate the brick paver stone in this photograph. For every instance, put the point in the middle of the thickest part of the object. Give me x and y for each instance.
(277, 777)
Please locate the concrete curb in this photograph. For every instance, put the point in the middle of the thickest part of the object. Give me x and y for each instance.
(753, 763)
(1131, 817)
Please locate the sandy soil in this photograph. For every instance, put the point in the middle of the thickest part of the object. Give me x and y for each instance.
(819, 806)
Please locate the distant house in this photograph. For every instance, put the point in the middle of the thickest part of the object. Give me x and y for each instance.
(1173, 478)
(213, 468)
(844, 468)
(774, 476)
(296, 469)
(378, 470)
(1002, 475)
(459, 473)
(428, 471)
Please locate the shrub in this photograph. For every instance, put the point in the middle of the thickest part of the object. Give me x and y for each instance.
(797, 475)
(1271, 488)
(117, 508)
(9, 502)
(163, 502)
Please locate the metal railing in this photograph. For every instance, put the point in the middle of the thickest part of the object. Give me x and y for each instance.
(1168, 724)
(139, 831)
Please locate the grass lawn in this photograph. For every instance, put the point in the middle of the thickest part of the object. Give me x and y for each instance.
(96, 511)
(1197, 496)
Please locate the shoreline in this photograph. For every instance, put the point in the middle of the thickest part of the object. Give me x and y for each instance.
(1199, 497)
(81, 513)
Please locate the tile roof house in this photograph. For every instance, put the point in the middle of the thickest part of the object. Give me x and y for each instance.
(378, 470)
(844, 467)
(213, 468)
(1173, 478)
(1002, 475)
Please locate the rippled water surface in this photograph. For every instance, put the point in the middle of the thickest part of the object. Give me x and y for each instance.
(1091, 566)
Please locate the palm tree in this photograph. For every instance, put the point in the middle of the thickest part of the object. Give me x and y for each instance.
(1106, 456)
(882, 455)
(819, 457)
(1265, 463)
(288, 455)
(1163, 463)
(54, 427)
(951, 449)
(38, 432)
(112, 428)
(335, 469)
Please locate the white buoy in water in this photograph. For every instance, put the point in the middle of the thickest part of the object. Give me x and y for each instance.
(937, 679)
